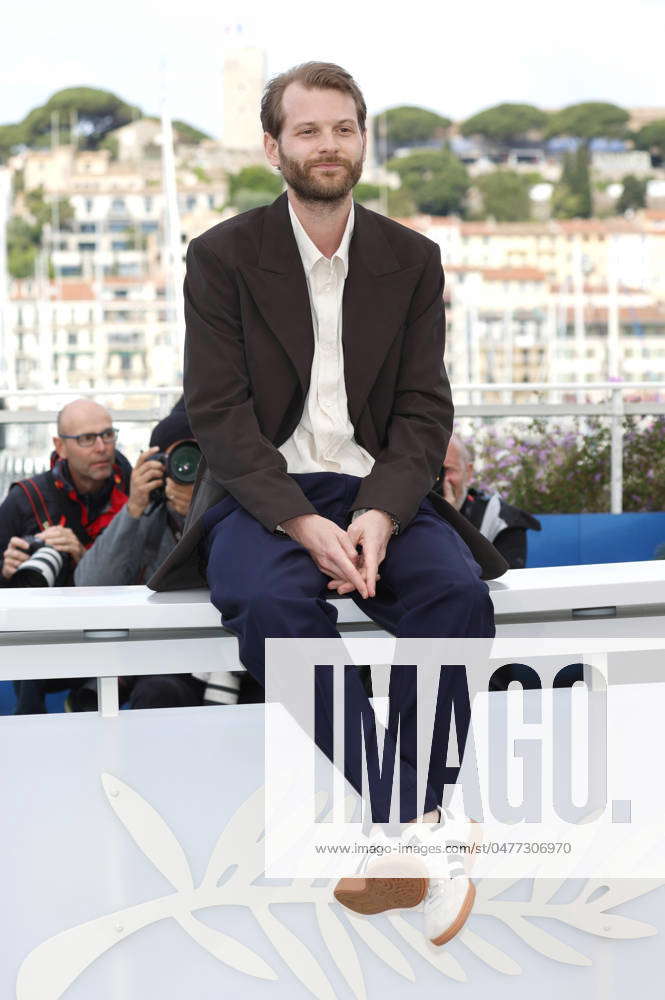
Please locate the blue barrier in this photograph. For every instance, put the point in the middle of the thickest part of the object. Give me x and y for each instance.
(583, 539)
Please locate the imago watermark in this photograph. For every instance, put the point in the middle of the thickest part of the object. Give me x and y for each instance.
(507, 758)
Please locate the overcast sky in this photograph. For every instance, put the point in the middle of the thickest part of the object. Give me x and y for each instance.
(455, 58)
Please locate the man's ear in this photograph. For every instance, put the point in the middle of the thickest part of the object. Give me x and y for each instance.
(60, 447)
(271, 148)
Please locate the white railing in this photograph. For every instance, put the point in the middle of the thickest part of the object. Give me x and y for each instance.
(548, 399)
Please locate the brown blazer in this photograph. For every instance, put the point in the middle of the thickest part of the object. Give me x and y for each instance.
(248, 356)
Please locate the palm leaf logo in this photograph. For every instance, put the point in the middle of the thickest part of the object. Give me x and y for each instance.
(50, 969)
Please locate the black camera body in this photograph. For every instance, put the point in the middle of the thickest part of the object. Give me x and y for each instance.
(180, 464)
(34, 543)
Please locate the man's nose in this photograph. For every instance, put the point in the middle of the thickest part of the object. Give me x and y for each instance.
(100, 446)
(328, 141)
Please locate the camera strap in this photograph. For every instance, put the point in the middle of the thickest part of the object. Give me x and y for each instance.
(44, 522)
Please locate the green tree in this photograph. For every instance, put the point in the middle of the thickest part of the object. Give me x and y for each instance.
(589, 120)
(42, 212)
(572, 198)
(407, 126)
(189, 134)
(505, 123)
(366, 192)
(505, 196)
(98, 112)
(23, 242)
(436, 180)
(651, 137)
(634, 194)
(400, 204)
(247, 198)
(11, 136)
(111, 143)
(255, 179)
(201, 175)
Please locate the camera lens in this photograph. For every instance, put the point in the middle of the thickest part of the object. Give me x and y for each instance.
(183, 462)
(41, 570)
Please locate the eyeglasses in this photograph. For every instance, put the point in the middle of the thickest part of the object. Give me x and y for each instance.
(87, 440)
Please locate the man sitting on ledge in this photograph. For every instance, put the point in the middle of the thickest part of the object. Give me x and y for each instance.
(315, 386)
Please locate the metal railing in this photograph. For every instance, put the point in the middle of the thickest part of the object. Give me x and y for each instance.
(548, 399)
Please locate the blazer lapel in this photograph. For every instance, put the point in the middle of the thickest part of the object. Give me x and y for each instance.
(376, 298)
(279, 289)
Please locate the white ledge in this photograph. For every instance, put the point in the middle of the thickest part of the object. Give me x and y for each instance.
(519, 592)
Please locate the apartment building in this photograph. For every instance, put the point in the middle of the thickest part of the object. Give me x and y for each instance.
(81, 335)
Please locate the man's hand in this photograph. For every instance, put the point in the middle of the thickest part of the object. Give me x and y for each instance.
(449, 492)
(372, 530)
(146, 476)
(15, 554)
(331, 548)
(64, 540)
(179, 495)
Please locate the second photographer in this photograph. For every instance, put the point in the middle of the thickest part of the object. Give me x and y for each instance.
(147, 528)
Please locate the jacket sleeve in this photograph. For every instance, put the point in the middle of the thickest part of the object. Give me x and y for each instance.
(422, 417)
(218, 396)
(14, 520)
(511, 543)
(116, 556)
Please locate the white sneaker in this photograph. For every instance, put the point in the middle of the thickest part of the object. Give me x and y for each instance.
(447, 906)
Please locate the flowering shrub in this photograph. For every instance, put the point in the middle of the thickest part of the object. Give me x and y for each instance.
(548, 468)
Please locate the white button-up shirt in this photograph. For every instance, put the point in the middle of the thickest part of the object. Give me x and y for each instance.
(323, 441)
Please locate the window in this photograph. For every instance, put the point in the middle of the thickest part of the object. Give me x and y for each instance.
(87, 247)
(88, 227)
(118, 205)
(88, 204)
(147, 204)
(72, 339)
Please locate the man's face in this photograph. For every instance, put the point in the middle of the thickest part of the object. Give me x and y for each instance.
(321, 149)
(458, 473)
(94, 463)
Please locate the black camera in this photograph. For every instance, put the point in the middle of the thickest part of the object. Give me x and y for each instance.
(44, 566)
(180, 463)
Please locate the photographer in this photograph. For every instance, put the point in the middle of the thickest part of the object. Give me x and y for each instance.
(146, 530)
(502, 524)
(139, 539)
(67, 507)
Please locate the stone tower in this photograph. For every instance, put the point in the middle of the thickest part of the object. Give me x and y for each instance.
(244, 79)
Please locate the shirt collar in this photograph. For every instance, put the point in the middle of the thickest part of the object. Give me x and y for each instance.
(310, 253)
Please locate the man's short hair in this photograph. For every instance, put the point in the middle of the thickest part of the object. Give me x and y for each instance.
(313, 76)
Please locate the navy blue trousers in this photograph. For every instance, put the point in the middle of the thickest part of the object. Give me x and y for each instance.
(267, 586)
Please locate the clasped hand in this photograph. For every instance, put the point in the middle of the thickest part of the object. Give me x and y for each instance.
(335, 551)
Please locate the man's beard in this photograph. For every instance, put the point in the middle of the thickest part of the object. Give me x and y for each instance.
(310, 187)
